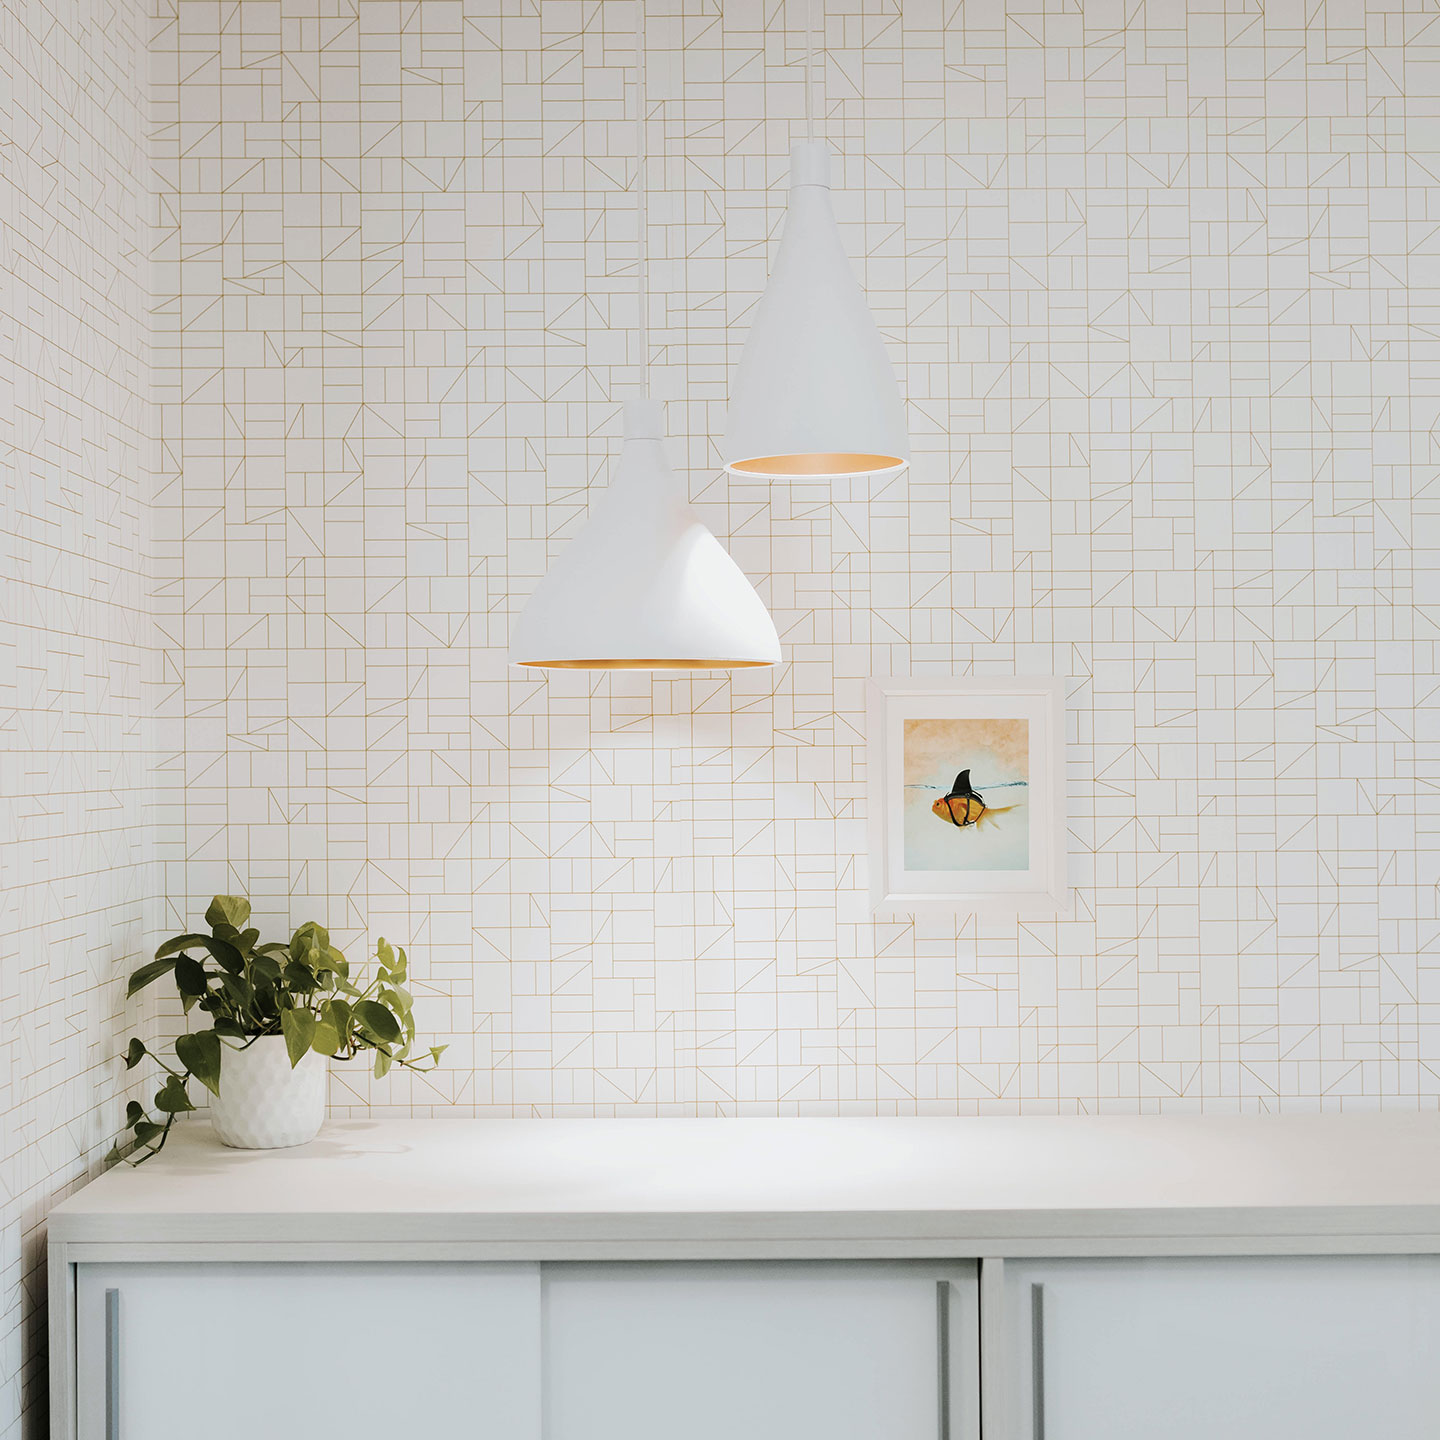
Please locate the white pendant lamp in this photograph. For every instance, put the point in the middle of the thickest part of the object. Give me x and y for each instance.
(815, 392)
(644, 585)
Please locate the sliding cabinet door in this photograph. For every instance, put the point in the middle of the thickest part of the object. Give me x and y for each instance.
(761, 1351)
(296, 1352)
(1248, 1349)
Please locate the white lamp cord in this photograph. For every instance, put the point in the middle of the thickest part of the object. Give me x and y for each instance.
(810, 48)
(642, 290)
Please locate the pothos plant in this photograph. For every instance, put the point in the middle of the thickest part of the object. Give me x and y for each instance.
(301, 989)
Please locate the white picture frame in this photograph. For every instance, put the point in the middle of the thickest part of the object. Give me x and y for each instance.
(1031, 876)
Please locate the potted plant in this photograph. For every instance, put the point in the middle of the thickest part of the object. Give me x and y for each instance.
(276, 1013)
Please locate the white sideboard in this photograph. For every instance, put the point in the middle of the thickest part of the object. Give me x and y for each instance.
(846, 1279)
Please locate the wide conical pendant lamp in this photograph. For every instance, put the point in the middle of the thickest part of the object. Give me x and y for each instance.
(644, 585)
(815, 393)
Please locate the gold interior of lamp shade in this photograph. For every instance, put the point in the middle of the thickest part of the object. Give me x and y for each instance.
(644, 664)
(833, 463)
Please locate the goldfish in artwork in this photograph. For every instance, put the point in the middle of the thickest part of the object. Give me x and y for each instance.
(964, 805)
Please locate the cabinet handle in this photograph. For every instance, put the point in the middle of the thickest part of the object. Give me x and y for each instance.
(1037, 1359)
(942, 1333)
(112, 1365)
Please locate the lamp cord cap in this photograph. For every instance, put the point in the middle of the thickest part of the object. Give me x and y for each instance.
(810, 163)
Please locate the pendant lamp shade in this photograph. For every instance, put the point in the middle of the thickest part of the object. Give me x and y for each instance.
(644, 585)
(815, 393)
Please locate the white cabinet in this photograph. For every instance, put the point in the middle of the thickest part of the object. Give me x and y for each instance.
(238, 1352)
(1117, 1349)
(761, 1280)
(1224, 1349)
(761, 1350)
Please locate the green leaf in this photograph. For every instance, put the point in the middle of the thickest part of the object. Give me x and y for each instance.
(228, 910)
(114, 1157)
(299, 1029)
(378, 1021)
(436, 1051)
(299, 979)
(230, 1028)
(134, 1111)
(309, 936)
(223, 951)
(199, 1053)
(326, 1040)
(264, 968)
(171, 1098)
(147, 1130)
(147, 973)
(382, 1064)
(237, 990)
(190, 977)
(179, 943)
(397, 998)
(135, 1052)
(336, 1013)
(190, 981)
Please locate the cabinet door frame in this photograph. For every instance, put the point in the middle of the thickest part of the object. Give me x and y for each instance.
(64, 1373)
(1015, 1333)
(955, 1283)
(123, 1311)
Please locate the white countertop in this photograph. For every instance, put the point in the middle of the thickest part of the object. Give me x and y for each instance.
(546, 1189)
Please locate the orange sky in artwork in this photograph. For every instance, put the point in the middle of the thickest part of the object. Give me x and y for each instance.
(933, 747)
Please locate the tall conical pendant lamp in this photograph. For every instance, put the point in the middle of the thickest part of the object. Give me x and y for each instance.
(644, 585)
(815, 392)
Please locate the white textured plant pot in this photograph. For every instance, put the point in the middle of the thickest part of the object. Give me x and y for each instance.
(263, 1103)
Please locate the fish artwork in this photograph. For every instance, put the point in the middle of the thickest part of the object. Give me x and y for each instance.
(984, 811)
(964, 805)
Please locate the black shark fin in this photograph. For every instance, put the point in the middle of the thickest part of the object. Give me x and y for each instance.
(961, 787)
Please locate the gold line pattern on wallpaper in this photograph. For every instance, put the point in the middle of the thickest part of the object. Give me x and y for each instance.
(1157, 284)
(76, 784)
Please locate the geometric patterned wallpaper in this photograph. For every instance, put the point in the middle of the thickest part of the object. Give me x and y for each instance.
(76, 858)
(1162, 289)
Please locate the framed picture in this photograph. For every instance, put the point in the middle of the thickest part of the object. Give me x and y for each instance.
(967, 796)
